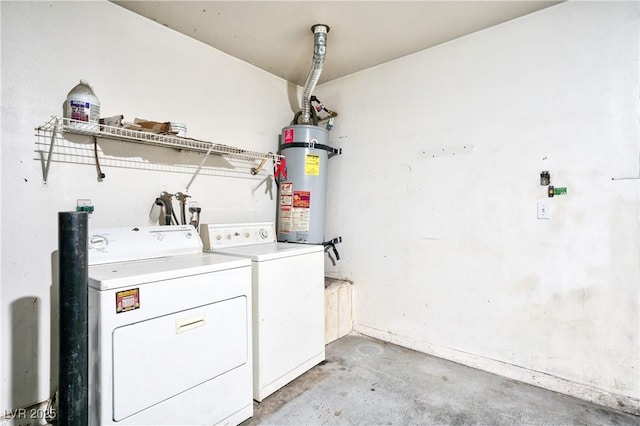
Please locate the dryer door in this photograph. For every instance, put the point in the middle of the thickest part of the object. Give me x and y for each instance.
(156, 359)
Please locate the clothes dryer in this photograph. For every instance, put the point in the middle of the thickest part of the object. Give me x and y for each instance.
(169, 329)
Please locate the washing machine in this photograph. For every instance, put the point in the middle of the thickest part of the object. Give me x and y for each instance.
(288, 300)
(169, 330)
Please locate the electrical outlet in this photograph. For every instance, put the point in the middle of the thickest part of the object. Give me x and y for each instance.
(544, 210)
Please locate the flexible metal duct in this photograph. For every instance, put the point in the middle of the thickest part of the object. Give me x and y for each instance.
(319, 51)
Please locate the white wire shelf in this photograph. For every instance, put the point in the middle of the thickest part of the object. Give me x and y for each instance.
(60, 124)
(57, 126)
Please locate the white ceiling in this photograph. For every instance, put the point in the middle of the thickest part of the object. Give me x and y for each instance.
(276, 35)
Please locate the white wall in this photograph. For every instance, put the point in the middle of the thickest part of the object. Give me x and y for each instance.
(137, 68)
(445, 250)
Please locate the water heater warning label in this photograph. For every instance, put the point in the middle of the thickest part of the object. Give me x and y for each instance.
(300, 220)
(286, 203)
(294, 209)
(127, 300)
(288, 135)
(302, 199)
(312, 165)
(286, 188)
(300, 211)
(284, 221)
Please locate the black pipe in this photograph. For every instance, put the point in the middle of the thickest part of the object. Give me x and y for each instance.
(73, 397)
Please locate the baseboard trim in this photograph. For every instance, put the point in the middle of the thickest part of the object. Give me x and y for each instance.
(598, 396)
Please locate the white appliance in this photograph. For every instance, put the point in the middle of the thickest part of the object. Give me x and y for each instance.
(169, 330)
(288, 300)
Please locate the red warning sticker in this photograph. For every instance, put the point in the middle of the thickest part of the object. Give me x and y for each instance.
(127, 300)
(301, 199)
(288, 135)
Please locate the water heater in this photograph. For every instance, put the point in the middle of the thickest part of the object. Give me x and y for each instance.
(305, 147)
(301, 209)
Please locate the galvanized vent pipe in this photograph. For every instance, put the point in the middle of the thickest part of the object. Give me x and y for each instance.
(319, 51)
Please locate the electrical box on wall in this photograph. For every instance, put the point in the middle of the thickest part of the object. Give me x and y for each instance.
(553, 191)
(545, 178)
(84, 205)
(544, 210)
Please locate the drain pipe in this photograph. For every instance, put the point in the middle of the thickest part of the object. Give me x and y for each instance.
(319, 51)
(73, 402)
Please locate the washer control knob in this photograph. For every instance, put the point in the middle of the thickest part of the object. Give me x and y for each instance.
(264, 233)
(247, 235)
(228, 236)
(218, 237)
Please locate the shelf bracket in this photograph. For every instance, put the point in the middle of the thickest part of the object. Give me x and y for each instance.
(197, 171)
(256, 170)
(45, 173)
(101, 175)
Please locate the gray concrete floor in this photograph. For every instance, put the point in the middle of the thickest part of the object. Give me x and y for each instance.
(368, 382)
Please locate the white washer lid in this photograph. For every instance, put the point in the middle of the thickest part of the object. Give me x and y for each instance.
(270, 251)
(125, 274)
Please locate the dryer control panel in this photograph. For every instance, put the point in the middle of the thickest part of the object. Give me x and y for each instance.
(108, 245)
(217, 236)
